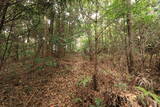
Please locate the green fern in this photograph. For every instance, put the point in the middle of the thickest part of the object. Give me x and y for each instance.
(84, 81)
(148, 93)
(98, 103)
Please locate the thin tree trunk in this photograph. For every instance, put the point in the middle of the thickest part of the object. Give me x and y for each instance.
(61, 47)
(17, 51)
(4, 12)
(95, 84)
(130, 36)
(45, 48)
(6, 48)
(51, 36)
(150, 60)
(90, 46)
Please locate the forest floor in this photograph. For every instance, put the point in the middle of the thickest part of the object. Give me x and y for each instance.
(51, 86)
(59, 86)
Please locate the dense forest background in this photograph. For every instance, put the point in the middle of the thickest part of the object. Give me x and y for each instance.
(79, 53)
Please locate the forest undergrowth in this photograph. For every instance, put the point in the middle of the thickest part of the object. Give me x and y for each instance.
(69, 84)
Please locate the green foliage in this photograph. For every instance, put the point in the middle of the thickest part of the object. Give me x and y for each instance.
(40, 68)
(98, 103)
(84, 81)
(116, 10)
(48, 61)
(143, 13)
(38, 60)
(148, 93)
(51, 63)
(58, 40)
(77, 100)
(29, 52)
(121, 85)
(141, 99)
(43, 63)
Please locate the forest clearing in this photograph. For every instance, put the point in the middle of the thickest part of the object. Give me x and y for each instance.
(79, 53)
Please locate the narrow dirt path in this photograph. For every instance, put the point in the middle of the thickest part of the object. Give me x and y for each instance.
(62, 88)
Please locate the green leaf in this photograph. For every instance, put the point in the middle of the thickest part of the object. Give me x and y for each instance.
(98, 101)
(77, 100)
(148, 93)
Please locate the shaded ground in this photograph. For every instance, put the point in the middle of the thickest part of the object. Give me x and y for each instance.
(52, 86)
(57, 86)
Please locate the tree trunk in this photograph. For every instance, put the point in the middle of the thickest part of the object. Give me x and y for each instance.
(17, 51)
(61, 48)
(45, 47)
(6, 48)
(150, 60)
(130, 36)
(90, 46)
(95, 84)
(3, 15)
(51, 36)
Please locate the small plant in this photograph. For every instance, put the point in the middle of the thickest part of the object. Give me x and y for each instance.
(98, 103)
(40, 68)
(121, 85)
(38, 60)
(77, 100)
(148, 93)
(141, 100)
(51, 63)
(47, 61)
(84, 81)
(29, 52)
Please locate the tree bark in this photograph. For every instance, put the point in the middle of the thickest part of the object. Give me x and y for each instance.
(95, 84)
(45, 47)
(6, 49)
(51, 36)
(130, 40)
(3, 15)
(61, 48)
